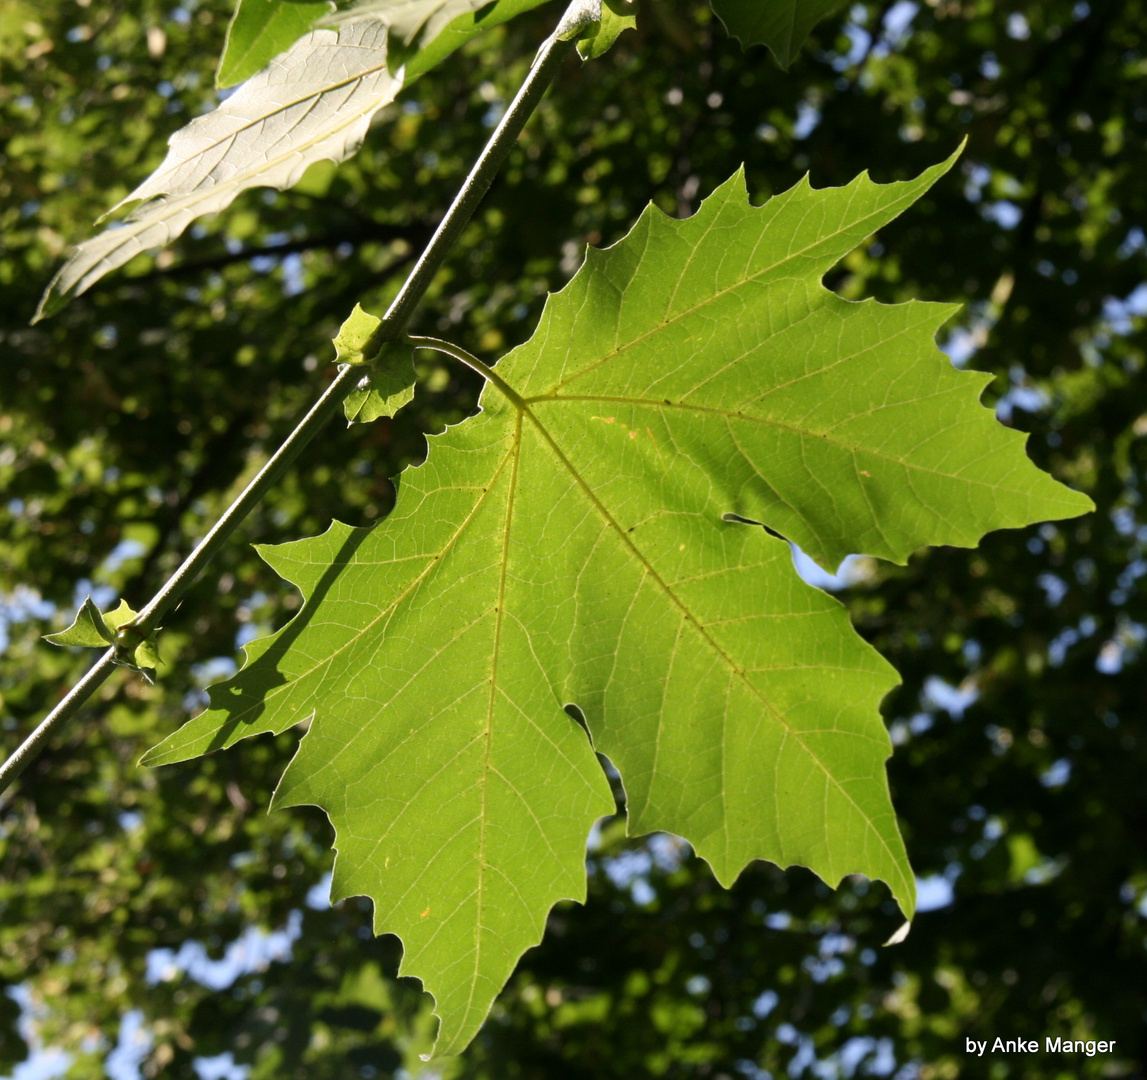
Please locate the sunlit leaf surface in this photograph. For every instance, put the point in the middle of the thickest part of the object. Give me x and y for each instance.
(586, 540)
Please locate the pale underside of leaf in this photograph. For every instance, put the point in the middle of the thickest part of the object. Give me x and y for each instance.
(313, 103)
(570, 545)
(782, 25)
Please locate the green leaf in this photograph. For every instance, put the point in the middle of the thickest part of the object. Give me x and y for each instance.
(432, 50)
(353, 336)
(424, 32)
(146, 656)
(388, 376)
(121, 615)
(584, 540)
(378, 394)
(93, 630)
(260, 30)
(616, 16)
(782, 25)
(89, 629)
(410, 21)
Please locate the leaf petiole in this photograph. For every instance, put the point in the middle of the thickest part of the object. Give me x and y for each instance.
(470, 360)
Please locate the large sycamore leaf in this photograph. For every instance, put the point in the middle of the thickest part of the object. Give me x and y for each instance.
(782, 25)
(586, 539)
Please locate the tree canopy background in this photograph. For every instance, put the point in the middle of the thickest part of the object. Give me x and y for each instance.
(130, 420)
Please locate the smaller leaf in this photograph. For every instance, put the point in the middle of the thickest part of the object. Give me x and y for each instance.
(382, 391)
(312, 103)
(115, 619)
(147, 655)
(90, 629)
(260, 30)
(388, 379)
(616, 16)
(93, 630)
(353, 336)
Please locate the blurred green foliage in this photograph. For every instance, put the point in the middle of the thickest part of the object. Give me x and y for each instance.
(128, 422)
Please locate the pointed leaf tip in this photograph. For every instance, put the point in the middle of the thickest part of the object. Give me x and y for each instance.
(900, 935)
(259, 31)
